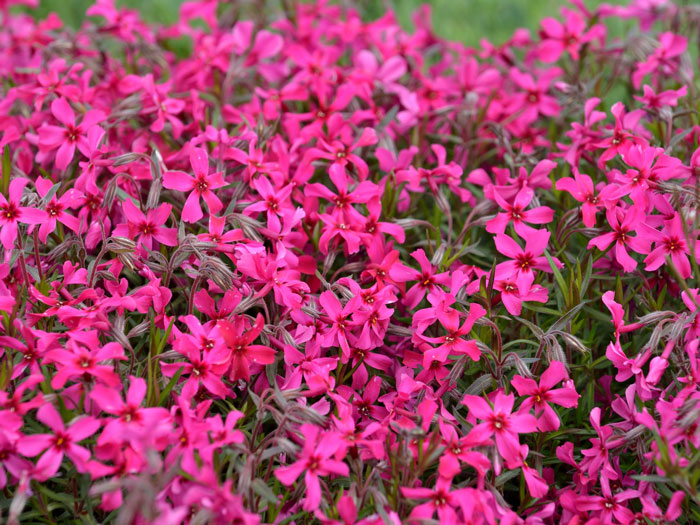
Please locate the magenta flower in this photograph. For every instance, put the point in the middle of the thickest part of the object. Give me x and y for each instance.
(541, 395)
(339, 320)
(570, 36)
(514, 292)
(11, 212)
(81, 360)
(243, 354)
(581, 188)
(524, 261)
(458, 450)
(201, 185)
(217, 235)
(335, 228)
(56, 209)
(671, 241)
(157, 100)
(654, 100)
(426, 277)
(133, 422)
(147, 228)
(609, 505)
(623, 223)
(342, 154)
(70, 136)
(274, 200)
(517, 213)
(315, 460)
(440, 501)
(537, 486)
(623, 134)
(205, 368)
(344, 198)
(662, 60)
(62, 442)
(533, 98)
(500, 421)
(452, 343)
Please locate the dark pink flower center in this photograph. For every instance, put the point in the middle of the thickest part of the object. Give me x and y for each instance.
(54, 209)
(9, 211)
(525, 262)
(499, 422)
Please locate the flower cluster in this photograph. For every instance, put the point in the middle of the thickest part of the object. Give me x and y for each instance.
(316, 269)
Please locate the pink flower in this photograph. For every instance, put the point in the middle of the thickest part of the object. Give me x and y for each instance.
(201, 185)
(670, 97)
(427, 278)
(499, 420)
(517, 213)
(315, 460)
(663, 60)
(623, 222)
(570, 36)
(70, 136)
(243, 354)
(623, 135)
(581, 188)
(609, 504)
(81, 360)
(440, 500)
(524, 261)
(62, 442)
(537, 486)
(514, 292)
(147, 228)
(452, 343)
(133, 423)
(541, 395)
(339, 320)
(274, 201)
(671, 241)
(11, 212)
(56, 208)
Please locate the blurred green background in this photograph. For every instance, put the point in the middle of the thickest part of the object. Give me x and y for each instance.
(464, 20)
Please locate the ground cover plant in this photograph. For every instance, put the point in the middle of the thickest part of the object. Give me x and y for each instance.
(307, 268)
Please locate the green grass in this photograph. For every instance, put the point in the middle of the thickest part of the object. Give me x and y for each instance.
(467, 21)
(464, 20)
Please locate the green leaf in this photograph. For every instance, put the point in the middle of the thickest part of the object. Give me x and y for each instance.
(6, 169)
(558, 276)
(173, 381)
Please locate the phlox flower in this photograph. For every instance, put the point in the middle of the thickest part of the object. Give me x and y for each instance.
(147, 227)
(243, 354)
(314, 460)
(62, 442)
(69, 137)
(539, 396)
(500, 421)
(12, 213)
(518, 213)
(201, 185)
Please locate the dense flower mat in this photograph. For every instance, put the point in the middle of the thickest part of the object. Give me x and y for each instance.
(310, 268)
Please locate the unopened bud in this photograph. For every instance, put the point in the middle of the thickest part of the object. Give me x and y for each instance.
(120, 245)
(556, 352)
(246, 304)
(128, 260)
(328, 261)
(217, 271)
(439, 254)
(126, 158)
(479, 385)
(139, 329)
(250, 227)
